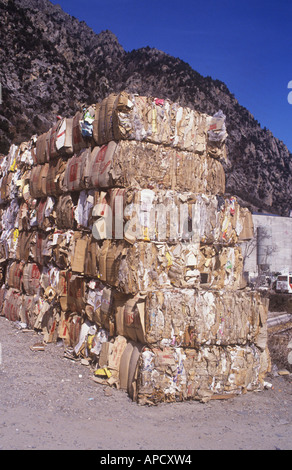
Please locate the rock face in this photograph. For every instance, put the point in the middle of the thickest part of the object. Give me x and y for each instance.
(51, 64)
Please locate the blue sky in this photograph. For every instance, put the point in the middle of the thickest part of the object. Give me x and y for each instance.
(247, 44)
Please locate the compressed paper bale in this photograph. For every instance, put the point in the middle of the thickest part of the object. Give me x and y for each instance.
(129, 317)
(74, 324)
(116, 352)
(104, 313)
(42, 250)
(124, 365)
(62, 248)
(191, 318)
(28, 310)
(65, 212)
(161, 215)
(175, 374)
(74, 173)
(142, 118)
(12, 305)
(84, 209)
(64, 138)
(31, 279)
(99, 172)
(9, 245)
(76, 293)
(105, 121)
(38, 181)
(9, 215)
(25, 244)
(55, 176)
(234, 219)
(55, 281)
(78, 258)
(134, 163)
(91, 263)
(52, 151)
(132, 372)
(14, 274)
(78, 141)
(144, 266)
(41, 149)
(45, 213)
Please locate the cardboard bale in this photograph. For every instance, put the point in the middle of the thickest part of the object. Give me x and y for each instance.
(24, 217)
(76, 172)
(74, 324)
(54, 282)
(26, 245)
(216, 136)
(31, 279)
(45, 214)
(76, 293)
(91, 262)
(8, 245)
(10, 215)
(43, 248)
(62, 248)
(79, 142)
(187, 317)
(247, 231)
(65, 212)
(143, 164)
(28, 310)
(105, 313)
(12, 305)
(126, 116)
(169, 216)
(51, 141)
(93, 299)
(84, 209)
(78, 255)
(55, 176)
(234, 219)
(129, 317)
(38, 181)
(64, 137)
(14, 274)
(173, 374)
(193, 318)
(5, 187)
(146, 266)
(25, 154)
(42, 155)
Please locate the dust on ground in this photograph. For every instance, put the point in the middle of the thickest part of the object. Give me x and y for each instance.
(48, 402)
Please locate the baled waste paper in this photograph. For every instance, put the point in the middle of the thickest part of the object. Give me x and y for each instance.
(117, 237)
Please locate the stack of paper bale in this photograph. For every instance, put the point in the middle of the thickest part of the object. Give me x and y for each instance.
(116, 236)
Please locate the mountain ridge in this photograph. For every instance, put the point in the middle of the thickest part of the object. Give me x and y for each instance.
(52, 63)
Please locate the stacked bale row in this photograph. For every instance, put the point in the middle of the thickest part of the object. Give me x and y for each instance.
(117, 237)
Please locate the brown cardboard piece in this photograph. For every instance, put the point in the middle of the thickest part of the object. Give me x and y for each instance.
(200, 374)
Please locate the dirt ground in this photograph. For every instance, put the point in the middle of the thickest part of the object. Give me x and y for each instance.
(48, 402)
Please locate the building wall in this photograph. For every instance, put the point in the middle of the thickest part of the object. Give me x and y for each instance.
(271, 246)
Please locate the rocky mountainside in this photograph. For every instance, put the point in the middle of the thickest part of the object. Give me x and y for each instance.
(51, 64)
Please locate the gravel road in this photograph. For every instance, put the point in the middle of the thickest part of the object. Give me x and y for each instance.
(48, 402)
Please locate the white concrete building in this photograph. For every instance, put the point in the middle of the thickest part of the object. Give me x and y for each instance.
(271, 248)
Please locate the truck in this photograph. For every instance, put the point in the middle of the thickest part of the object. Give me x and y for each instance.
(284, 283)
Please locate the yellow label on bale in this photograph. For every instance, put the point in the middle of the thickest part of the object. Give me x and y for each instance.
(14, 165)
(169, 259)
(15, 234)
(103, 372)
